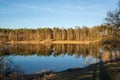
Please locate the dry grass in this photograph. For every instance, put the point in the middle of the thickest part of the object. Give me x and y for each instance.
(74, 42)
(52, 42)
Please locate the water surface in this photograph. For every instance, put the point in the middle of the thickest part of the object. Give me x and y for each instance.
(30, 59)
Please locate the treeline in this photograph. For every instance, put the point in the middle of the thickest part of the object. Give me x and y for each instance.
(109, 31)
(40, 34)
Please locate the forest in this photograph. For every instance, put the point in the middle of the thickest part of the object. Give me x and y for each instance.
(40, 34)
(102, 32)
(108, 31)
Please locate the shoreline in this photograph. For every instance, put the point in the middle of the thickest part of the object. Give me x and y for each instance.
(75, 73)
(50, 42)
(75, 42)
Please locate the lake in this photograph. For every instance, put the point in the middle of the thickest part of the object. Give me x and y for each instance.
(30, 59)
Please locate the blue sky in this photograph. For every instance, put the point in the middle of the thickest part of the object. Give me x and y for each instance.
(53, 13)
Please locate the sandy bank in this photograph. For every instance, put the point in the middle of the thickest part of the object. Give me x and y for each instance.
(51, 42)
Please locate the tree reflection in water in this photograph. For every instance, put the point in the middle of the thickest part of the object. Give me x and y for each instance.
(47, 50)
(108, 52)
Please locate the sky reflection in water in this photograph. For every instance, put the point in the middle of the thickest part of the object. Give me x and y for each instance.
(34, 63)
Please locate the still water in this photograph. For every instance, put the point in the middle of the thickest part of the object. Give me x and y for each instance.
(30, 59)
(35, 63)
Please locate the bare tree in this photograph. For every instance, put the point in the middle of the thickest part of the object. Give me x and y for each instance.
(113, 20)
